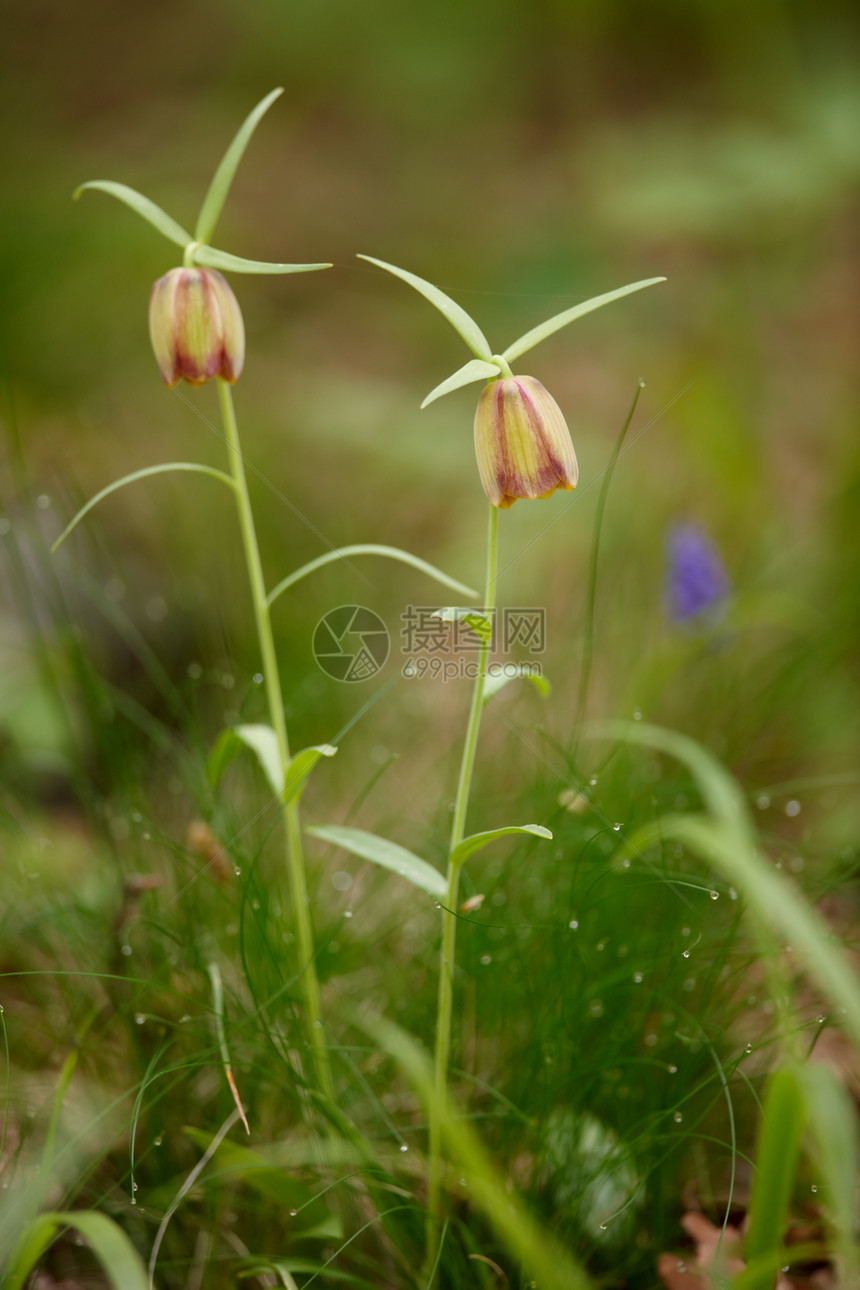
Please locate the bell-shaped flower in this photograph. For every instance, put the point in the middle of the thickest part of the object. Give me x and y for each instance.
(522, 442)
(196, 327)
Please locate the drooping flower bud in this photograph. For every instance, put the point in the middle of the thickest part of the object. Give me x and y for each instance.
(196, 327)
(522, 442)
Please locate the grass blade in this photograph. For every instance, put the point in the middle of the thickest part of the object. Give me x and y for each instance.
(213, 202)
(148, 210)
(109, 1243)
(457, 317)
(777, 1153)
(537, 334)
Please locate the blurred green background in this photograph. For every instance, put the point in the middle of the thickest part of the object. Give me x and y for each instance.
(522, 157)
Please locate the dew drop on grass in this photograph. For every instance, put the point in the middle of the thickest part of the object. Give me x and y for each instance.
(820, 1018)
(125, 949)
(603, 1227)
(792, 807)
(134, 1200)
(257, 678)
(673, 1070)
(625, 863)
(686, 954)
(157, 1141)
(617, 827)
(43, 501)
(347, 913)
(486, 959)
(134, 1186)
(403, 1146)
(748, 1049)
(573, 924)
(637, 977)
(814, 1187)
(762, 801)
(601, 945)
(678, 1117)
(733, 895)
(293, 1213)
(237, 869)
(714, 895)
(593, 780)
(139, 1019)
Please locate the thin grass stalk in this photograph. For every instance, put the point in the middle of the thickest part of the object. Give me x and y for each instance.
(449, 913)
(272, 681)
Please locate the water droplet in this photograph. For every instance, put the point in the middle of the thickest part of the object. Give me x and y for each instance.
(637, 715)
(637, 977)
(486, 959)
(140, 1019)
(134, 1200)
(762, 801)
(184, 1018)
(43, 501)
(777, 864)
(617, 827)
(651, 1040)
(814, 1187)
(293, 1213)
(593, 780)
(601, 945)
(147, 837)
(714, 895)
(625, 863)
(347, 913)
(821, 1018)
(573, 924)
(237, 869)
(677, 1117)
(157, 1141)
(134, 1186)
(403, 1146)
(733, 895)
(686, 954)
(792, 807)
(136, 817)
(673, 1070)
(195, 671)
(257, 678)
(341, 880)
(748, 1049)
(125, 949)
(603, 1227)
(317, 1025)
(227, 681)
(436, 904)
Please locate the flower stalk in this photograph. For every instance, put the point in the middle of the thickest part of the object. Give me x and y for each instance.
(272, 681)
(449, 914)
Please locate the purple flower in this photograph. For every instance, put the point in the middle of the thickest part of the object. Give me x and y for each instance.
(697, 579)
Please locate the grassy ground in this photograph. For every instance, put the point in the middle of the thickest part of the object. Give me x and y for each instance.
(625, 990)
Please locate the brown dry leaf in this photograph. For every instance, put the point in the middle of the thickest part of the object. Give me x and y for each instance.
(682, 1272)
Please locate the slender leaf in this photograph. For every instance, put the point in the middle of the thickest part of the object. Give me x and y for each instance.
(300, 768)
(109, 1243)
(148, 210)
(777, 1152)
(497, 678)
(728, 842)
(387, 854)
(475, 370)
(478, 841)
(163, 469)
(213, 202)
(457, 317)
(369, 548)
(216, 259)
(481, 626)
(537, 334)
(263, 742)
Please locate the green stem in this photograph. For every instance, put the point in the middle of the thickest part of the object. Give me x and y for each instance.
(449, 913)
(271, 677)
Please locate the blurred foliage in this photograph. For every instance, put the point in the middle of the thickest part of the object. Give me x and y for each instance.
(524, 157)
